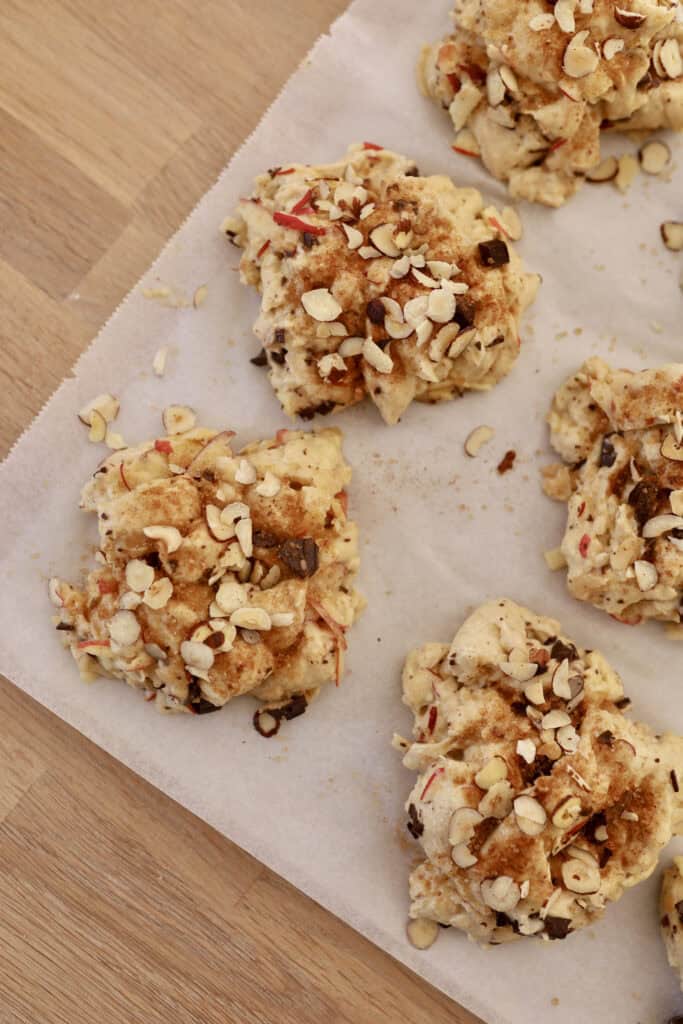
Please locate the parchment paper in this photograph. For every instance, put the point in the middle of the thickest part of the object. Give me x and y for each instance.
(440, 533)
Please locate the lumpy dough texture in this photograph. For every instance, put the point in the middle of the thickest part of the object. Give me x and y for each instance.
(620, 435)
(671, 915)
(375, 281)
(537, 802)
(220, 573)
(530, 86)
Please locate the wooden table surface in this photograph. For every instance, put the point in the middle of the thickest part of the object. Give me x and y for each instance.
(116, 905)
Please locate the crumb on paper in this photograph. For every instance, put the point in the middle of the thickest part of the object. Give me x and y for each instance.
(199, 297)
(159, 361)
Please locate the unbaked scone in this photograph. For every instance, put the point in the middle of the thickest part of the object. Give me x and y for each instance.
(621, 437)
(671, 911)
(538, 802)
(219, 573)
(530, 85)
(375, 281)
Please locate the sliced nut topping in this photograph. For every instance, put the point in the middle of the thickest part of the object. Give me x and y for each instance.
(647, 576)
(672, 235)
(280, 620)
(379, 360)
(159, 593)
(168, 535)
(530, 815)
(156, 652)
(495, 771)
(462, 857)
(497, 801)
(321, 305)
(441, 306)
(554, 559)
(555, 719)
(564, 15)
(495, 87)
(466, 142)
(462, 825)
(561, 686)
(367, 210)
(159, 361)
(422, 932)
(124, 628)
(655, 157)
(234, 511)
(568, 738)
(629, 19)
(53, 592)
(216, 525)
(606, 170)
(442, 342)
(196, 655)
(139, 575)
(477, 439)
(670, 58)
(244, 534)
(462, 342)
(350, 347)
(114, 441)
(534, 692)
(501, 894)
(509, 78)
(425, 279)
(230, 596)
(440, 269)
(353, 236)
(251, 618)
(382, 238)
(627, 173)
(579, 59)
(612, 46)
(567, 813)
(397, 329)
(542, 22)
(415, 310)
(401, 268)
(98, 427)
(201, 633)
(522, 671)
(270, 485)
(601, 834)
(368, 252)
(106, 405)
(130, 601)
(676, 502)
(178, 418)
(581, 877)
(246, 474)
(526, 749)
(659, 525)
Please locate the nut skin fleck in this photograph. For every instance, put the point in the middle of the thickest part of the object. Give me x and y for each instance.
(301, 556)
(507, 462)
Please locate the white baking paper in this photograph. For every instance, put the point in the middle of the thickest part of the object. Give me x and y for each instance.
(440, 533)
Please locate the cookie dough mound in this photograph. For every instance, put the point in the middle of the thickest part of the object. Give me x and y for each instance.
(219, 573)
(530, 85)
(538, 802)
(671, 911)
(621, 437)
(375, 281)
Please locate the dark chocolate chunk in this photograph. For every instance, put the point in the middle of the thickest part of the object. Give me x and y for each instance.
(679, 910)
(279, 336)
(606, 739)
(507, 462)
(414, 826)
(215, 640)
(465, 312)
(261, 359)
(153, 559)
(623, 703)
(376, 311)
(494, 253)
(65, 626)
(604, 856)
(297, 706)
(674, 781)
(608, 453)
(278, 355)
(309, 240)
(557, 927)
(561, 651)
(324, 409)
(643, 499)
(301, 556)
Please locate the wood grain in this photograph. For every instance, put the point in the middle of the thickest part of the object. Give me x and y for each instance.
(116, 905)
